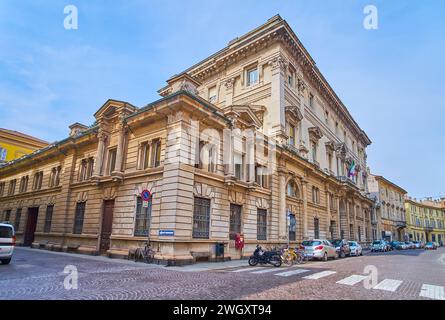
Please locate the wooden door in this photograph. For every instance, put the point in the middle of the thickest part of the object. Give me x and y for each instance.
(107, 226)
(31, 224)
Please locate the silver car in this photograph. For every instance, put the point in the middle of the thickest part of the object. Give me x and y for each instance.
(356, 248)
(7, 242)
(319, 249)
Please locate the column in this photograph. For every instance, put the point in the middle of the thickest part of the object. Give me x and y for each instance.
(250, 155)
(120, 150)
(337, 200)
(99, 154)
(328, 217)
(282, 219)
(228, 152)
(304, 191)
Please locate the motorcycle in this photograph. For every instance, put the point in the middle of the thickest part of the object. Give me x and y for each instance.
(265, 257)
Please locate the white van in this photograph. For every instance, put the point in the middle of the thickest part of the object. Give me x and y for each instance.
(7, 242)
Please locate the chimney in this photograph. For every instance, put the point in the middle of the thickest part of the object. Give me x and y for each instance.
(76, 129)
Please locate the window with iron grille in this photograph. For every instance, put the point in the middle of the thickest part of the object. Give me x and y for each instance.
(201, 218)
(292, 227)
(18, 216)
(235, 220)
(78, 217)
(48, 218)
(316, 228)
(142, 218)
(261, 224)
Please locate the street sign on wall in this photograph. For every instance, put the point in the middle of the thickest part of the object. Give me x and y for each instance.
(166, 233)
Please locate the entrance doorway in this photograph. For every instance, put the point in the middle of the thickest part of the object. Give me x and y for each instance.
(31, 224)
(107, 226)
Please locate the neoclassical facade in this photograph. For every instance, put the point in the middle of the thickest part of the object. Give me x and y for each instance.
(425, 219)
(250, 141)
(389, 207)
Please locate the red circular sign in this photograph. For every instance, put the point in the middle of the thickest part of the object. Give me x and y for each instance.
(145, 195)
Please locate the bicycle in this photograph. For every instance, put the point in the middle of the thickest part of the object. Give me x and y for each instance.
(145, 254)
(291, 256)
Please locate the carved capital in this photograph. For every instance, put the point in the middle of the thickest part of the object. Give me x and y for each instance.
(229, 83)
(279, 63)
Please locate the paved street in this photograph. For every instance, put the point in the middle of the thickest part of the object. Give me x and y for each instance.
(411, 274)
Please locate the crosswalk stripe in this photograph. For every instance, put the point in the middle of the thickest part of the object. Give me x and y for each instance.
(319, 275)
(432, 292)
(266, 270)
(247, 269)
(351, 280)
(388, 285)
(291, 273)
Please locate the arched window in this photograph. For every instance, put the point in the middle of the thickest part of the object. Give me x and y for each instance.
(292, 190)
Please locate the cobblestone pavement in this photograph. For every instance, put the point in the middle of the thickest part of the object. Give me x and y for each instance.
(411, 274)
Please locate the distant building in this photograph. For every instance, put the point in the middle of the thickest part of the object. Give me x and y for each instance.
(425, 219)
(389, 208)
(14, 144)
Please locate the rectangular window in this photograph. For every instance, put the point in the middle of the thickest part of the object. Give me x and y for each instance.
(291, 134)
(290, 80)
(235, 220)
(156, 156)
(212, 94)
(238, 160)
(311, 100)
(48, 218)
(252, 77)
(90, 168)
(292, 227)
(261, 176)
(316, 228)
(3, 153)
(145, 151)
(7, 215)
(201, 218)
(24, 184)
(2, 188)
(79, 217)
(112, 160)
(83, 170)
(261, 224)
(315, 195)
(18, 217)
(12, 184)
(37, 182)
(142, 218)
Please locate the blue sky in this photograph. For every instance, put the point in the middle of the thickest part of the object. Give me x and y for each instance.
(391, 79)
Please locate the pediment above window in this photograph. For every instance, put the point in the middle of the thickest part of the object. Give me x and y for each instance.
(315, 133)
(294, 112)
(112, 108)
(246, 115)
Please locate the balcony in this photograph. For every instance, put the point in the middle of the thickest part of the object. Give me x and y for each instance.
(400, 224)
(429, 228)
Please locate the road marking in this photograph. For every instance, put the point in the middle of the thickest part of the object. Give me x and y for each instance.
(432, 292)
(291, 273)
(266, 270)
(354, 279)
(319, 275)
(247, 269)
(388, 285)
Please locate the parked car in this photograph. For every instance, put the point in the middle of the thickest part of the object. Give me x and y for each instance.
(379, 245)
(430, 246)
(417, 244)
(394, 245)
(342, 247)
(410, 245)
(7, 242)
(402, 246)
(319, 249)
(356, 248)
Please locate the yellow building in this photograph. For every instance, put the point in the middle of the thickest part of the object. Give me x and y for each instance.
(14, 144)
(425, 219)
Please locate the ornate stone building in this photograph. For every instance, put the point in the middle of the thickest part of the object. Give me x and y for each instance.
(389, 207)
(252, 140)
(425, 219)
